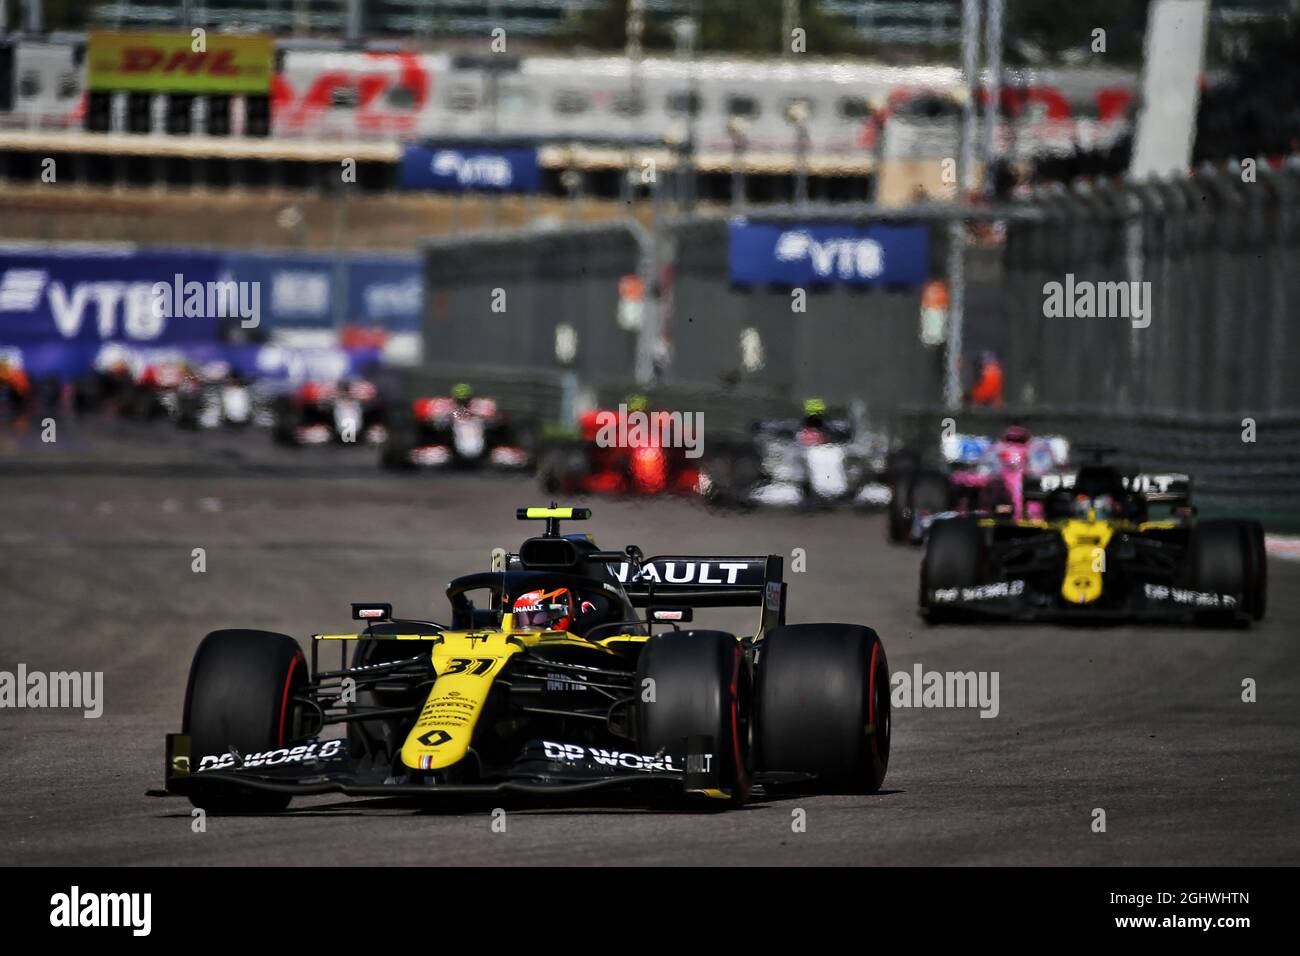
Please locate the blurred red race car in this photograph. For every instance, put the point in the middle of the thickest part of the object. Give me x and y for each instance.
(621, 451)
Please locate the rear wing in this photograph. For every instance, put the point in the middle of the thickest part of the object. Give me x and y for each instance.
(1044, 451)
(712, 581)
(1155, 488)
(964, 449)
(1167, 488)
(840, 428)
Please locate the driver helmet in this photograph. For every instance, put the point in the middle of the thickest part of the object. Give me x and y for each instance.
(462, 393)
(542, 610)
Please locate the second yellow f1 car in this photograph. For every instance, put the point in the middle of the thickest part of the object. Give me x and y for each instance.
(546, 680)
(1097, 553)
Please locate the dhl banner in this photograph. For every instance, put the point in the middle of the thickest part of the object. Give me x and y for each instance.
(180, 63)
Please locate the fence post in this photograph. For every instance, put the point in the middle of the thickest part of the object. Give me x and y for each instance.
(1282, 210)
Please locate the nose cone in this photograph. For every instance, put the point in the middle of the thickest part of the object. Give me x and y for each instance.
(1082, 586)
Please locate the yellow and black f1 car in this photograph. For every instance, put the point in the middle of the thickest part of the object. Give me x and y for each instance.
(547, 680)
(1098, 553)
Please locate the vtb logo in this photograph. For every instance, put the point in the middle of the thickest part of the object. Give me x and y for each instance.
(149, 59)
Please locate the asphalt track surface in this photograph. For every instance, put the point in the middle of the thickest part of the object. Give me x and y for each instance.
(95, 574)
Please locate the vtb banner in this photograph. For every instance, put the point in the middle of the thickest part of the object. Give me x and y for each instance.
(512, 169)
(61, 308)
(102, 296)
(167, 62)
(828, 254)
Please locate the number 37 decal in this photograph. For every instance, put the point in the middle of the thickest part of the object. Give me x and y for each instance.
(476, 666)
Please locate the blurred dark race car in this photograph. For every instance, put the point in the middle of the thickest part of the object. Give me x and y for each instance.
(16, 394)
(319, 413)
(106, 387)
(459, 430)
(628, 451)
(123, 383)
(1097, 554)
(212, 396)
(815, 460)
(154, 393)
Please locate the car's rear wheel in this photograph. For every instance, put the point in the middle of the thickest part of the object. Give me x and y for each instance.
(1258, 570)
(403, 434)
(954, 553)
(923, 493)
(822, 704)
(241, 697)
(929, 493)
(900, 511)
(732, 474)
(286, 417)
(1223, 559)
(697, 684)
(564, 466)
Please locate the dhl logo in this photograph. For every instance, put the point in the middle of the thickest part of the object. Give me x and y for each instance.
(176, 63)
(145, 59)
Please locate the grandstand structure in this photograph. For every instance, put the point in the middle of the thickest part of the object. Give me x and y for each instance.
(362, 79)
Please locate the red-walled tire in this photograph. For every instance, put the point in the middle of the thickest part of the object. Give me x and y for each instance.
(701, 689)
(240, 695)
(822, 705)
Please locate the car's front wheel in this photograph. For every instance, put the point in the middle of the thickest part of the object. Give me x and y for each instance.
(953, 558)
(695, 684)
(241, 697)
(1224, 561)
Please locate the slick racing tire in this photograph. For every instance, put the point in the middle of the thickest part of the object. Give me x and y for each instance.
(240, 695)
(928, 493)
(187, 412)
(822, 705)
(1223, 562)
(733, 473)
(402, 437)
(285, 419)
(900, 515)
(902, 464)
(564, 466)
(953, 558)
(917, 493)
(701, 688)
(1258, 570)
(900, 471)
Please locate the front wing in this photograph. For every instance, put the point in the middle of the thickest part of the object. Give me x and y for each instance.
(543, 767)
(1018, 600)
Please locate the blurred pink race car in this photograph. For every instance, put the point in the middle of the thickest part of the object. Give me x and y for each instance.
(983, 476)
